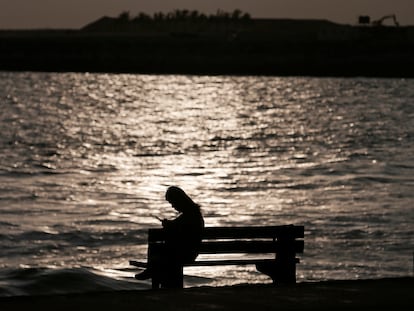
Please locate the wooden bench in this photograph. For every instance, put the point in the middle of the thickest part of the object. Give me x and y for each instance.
(284, 242)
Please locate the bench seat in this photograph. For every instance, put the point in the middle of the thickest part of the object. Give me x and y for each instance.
(283, 242)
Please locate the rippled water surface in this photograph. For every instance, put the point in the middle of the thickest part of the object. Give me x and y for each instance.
(86, 158)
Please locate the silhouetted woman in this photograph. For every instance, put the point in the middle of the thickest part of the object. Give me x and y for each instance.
(183, 234)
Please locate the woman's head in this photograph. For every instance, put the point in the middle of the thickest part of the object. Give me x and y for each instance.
(179, 199)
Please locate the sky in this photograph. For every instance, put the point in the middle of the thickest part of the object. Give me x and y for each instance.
(74, 14)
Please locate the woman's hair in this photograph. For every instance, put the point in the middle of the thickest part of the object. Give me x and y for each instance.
(178, 195)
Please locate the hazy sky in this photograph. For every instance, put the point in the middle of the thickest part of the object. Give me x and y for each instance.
(18, 14)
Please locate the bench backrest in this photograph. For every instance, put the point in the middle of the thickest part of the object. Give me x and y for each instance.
(267, 239)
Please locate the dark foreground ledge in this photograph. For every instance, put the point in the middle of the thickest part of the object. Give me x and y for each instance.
(395, 293)
(214, 55)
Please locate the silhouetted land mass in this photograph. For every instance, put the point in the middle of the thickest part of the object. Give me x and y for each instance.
(387, 294)
(224, 44)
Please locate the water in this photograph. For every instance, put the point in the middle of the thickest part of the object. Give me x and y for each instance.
(86, 160)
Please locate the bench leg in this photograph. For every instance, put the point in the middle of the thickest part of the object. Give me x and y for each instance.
(155, 282)
(280, 271)
(287, 271)
(166, 272)
(173, 277)
(166, 275)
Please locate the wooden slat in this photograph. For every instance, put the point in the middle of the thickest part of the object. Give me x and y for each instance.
(288, 231)
(253, 232)
(227, 262)
(223, 262)
(206, 263)
(256, 247)
(230, 262)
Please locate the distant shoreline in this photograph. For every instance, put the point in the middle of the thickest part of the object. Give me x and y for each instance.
(385, 52)
(395, 293)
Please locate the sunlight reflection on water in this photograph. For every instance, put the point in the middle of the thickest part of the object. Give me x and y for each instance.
(87, 157)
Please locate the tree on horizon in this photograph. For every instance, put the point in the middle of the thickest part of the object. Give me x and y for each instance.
(182, 15)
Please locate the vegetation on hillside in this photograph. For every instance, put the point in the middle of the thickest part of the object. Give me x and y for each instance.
(184, 15)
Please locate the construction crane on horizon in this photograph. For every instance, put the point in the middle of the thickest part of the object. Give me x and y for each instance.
(379, 22)
(366, 20)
